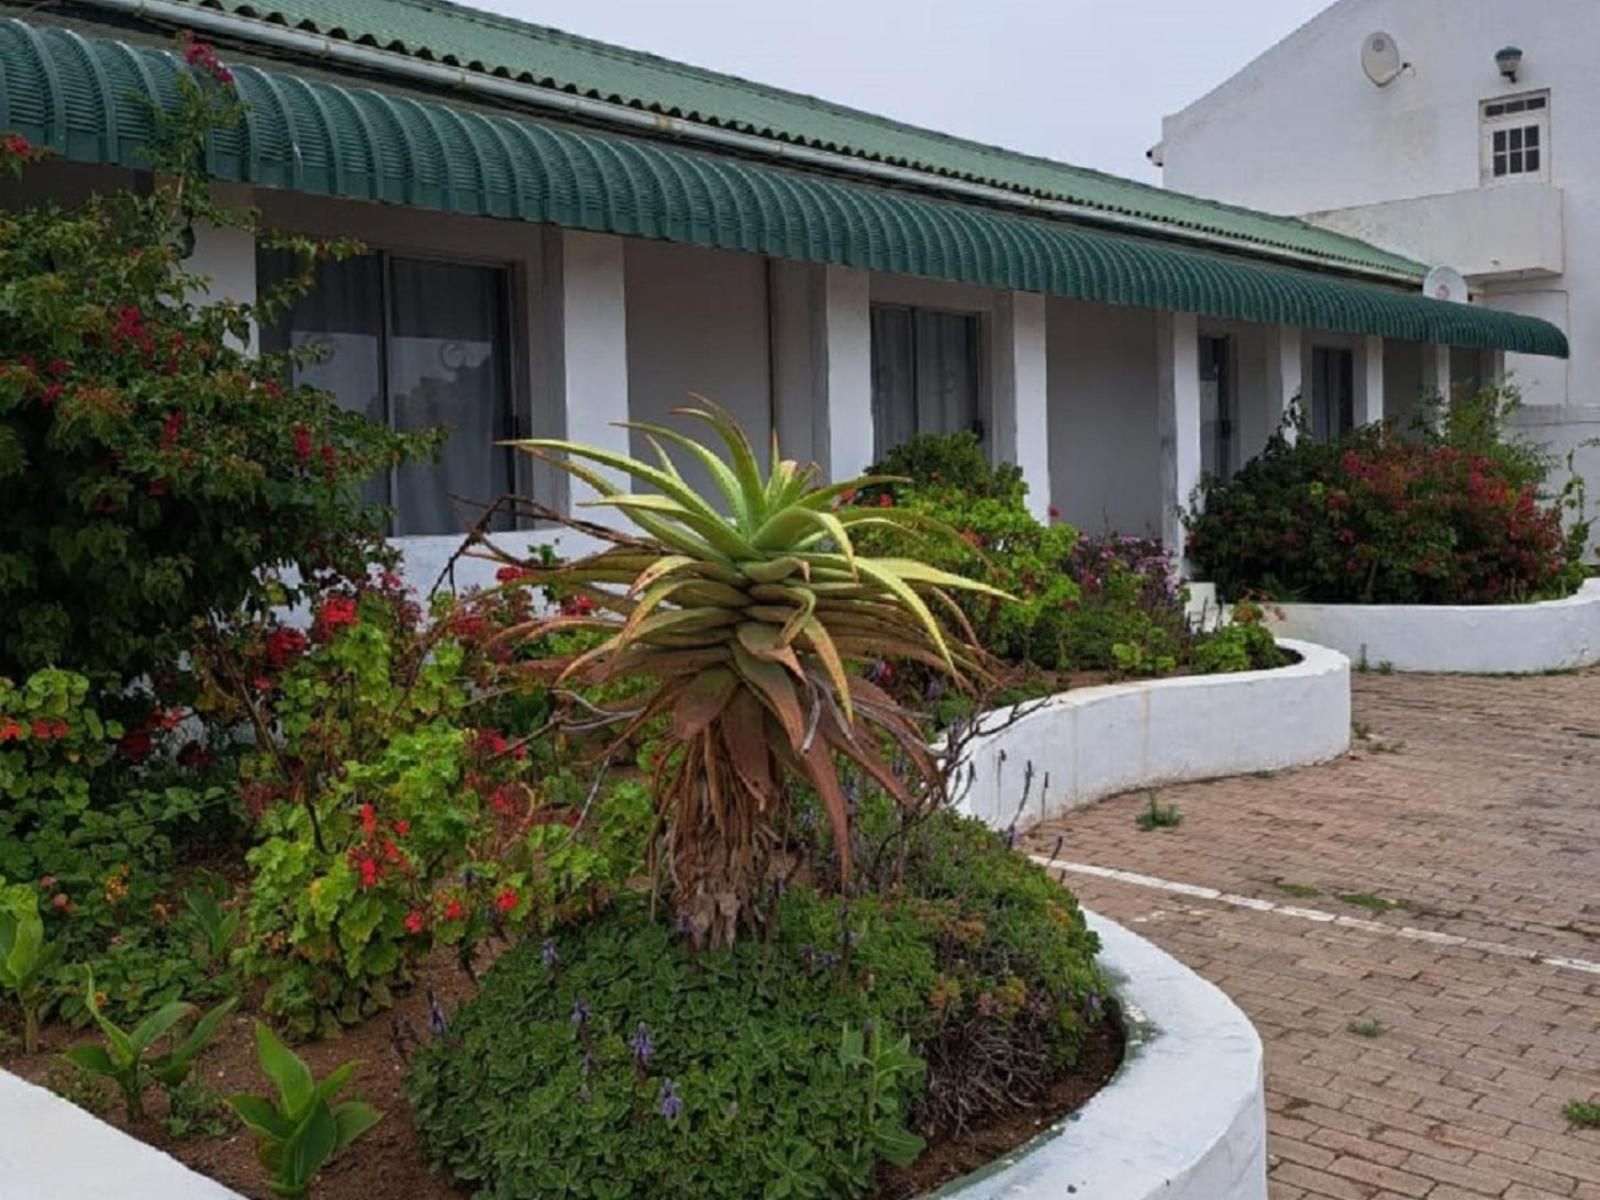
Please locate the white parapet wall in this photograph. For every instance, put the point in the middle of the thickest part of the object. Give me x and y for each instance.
(54, 1150)
(1094, 742)
(1184, 1118)
(1484, 639)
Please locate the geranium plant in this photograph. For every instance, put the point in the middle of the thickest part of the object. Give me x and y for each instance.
(748, 618)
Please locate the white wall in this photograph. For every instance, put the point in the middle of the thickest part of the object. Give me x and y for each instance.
(697, 322)
(1105, 468)
(1302, 130)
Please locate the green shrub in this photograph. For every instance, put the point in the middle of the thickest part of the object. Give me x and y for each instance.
(953, 486)
(96, 819)
(1376, 519)
(613, 1061)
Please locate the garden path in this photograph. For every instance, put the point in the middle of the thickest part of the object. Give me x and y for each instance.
(1414, 929)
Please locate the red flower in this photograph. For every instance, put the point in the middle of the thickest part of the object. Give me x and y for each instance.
(47, 729)
(51, 394)
(503, 799)
(886, 501)
(391, 852)
(172, 429)
(1055, 513)
(491, 741)
(576, 606)
(401, 828)
(135, 745)
(506, 900)
(302, 442)
(9, 730)
(369, 871)
(194, 756)
(454, 910)
(284, 644)
(337, 611)
(510, 574)
(16, 144)
(413, 921)
(369, 819)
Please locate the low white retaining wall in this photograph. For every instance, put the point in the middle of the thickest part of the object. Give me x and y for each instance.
(53, 1150)
(1485, 639)
(1099, 741)
(1184, 1119)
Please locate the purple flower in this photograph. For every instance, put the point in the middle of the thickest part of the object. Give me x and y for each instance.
(436, 1017)
(643, 1048)
(671, 1102)
(580, 1013)
(548, 955)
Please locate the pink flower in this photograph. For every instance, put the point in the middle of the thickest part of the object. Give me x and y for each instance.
(413, 921)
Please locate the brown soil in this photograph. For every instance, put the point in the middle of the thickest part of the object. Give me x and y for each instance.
(967, 1152)
(386, 1164)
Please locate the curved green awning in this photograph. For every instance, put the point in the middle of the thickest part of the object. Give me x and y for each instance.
(88, 99)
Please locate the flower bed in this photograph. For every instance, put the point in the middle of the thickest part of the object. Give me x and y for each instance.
(1479, 639)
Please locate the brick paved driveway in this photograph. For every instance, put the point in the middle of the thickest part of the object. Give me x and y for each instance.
(1423, 1050)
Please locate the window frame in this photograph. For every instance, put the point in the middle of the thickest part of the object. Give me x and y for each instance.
(1511, 118)
(515, 333)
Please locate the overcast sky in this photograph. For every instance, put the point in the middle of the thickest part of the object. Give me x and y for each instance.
(1087, 81)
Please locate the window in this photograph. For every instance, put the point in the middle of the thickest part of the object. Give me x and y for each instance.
(925, 373)
(1216, 407)
(412, 343)
(1333, 392)
(1516, 138)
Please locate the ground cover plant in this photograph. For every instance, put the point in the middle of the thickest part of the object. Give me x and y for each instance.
(615, 1060)
(1450, 513)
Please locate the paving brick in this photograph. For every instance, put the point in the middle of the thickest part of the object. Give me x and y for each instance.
(1482, 825)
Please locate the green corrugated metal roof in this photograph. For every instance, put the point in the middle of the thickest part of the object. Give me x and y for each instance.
(441, 32)
(88, 99)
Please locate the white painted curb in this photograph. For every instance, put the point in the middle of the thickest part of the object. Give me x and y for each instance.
(51, 1149)
(1484, 639)
(1185, 1117)
(1095, 742)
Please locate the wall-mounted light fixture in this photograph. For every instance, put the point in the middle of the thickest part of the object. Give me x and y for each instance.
(1509, 60)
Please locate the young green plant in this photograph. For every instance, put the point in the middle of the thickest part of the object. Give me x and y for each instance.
(302, 1128)
(749, 617)
(122, 1058)
(25, 957)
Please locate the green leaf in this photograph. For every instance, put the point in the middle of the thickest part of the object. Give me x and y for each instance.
(352, 1119)
(92, 1058)
(260, 1117)
(899, 1147)
(121, 1045)
(172, 1069)
(157, 1023)
(309, 1146)
(286, 1069)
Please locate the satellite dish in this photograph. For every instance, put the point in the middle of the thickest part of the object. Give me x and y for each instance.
(1380, 59)
(1445, 283)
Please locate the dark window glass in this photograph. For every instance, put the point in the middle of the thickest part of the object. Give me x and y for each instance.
(925, 373)
(412, 343)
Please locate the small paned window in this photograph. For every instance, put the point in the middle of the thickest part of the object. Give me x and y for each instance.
(1516, 138)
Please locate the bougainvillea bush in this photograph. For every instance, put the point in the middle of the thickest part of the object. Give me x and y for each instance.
(1376, 518)
(614, 1061)
(153, 471)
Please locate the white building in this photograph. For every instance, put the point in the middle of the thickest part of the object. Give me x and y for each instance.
(1448, 131)
(565, 234)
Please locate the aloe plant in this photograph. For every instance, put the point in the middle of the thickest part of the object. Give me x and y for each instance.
(24, 956)
(749, 615)
(300, 1129)
(122, 1057)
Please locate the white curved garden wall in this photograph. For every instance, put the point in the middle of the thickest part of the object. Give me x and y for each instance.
(1184, 1118)
(1099, 741)
(1487, 639)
